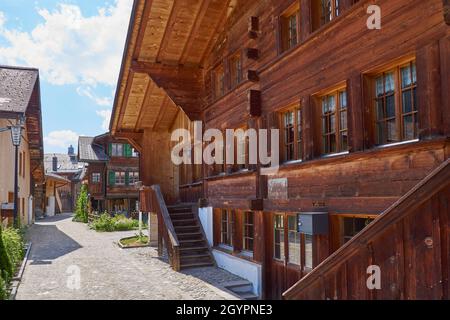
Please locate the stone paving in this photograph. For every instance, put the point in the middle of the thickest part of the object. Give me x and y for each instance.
(62, 247)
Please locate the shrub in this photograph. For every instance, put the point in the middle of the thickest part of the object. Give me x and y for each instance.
(6, 268)
(82, 212)
(14, 245)
(106, 223)
(3, 294)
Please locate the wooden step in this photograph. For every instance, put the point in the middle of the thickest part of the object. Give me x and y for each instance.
(197, 265)
(201, 248)
(196, 256)
(186, 222)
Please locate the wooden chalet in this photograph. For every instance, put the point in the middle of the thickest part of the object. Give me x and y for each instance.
(364, 117)
(20, 98)
(111, 174)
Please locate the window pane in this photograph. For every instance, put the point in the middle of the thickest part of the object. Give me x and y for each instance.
(309, 251)
(407, 101)
(343, 99)
(331, 103)
(343, 120)
(390, 106)
(332, 143)
(392, 130)
(294, 248)
(379, 86)
(408, 128)
(380, 109)
(414, 74)
(406, 76)
(344, 141)
(333, 123)
(389, 83)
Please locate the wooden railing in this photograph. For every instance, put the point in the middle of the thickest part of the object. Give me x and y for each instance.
(409, 242)
(152, 200)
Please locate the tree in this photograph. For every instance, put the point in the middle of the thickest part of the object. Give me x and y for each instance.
(82, 212)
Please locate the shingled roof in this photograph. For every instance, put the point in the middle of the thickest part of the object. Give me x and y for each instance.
(16, 88)
(89, 151)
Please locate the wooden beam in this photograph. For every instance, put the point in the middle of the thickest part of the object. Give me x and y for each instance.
(142, 28)
(161, 113)
(125, 98)
(148, 93)
(168, 30)
(203, 8)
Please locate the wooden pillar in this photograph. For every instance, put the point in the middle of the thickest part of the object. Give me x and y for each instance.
(429, 90)
(305, 19)
(355, 113)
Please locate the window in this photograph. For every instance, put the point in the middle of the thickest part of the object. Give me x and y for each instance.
(135, 153)
(119, 178)
(248, 234)
(279, 252)
(330, 9)
(290, 22)
(117, 150)
(96, 177)
(227, 227)
(334, 122)
(235, 70)
(353, 226)
(292, 135)
(241, 149)
(396, 105)
(133, 177)
(294, 241)
(309, 264)
(219, 82)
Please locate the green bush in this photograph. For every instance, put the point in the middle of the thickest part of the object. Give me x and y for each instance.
(6, 267)
(3, 294)
(82, 211)
(106, 223)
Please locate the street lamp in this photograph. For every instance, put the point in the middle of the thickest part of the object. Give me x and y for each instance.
(16, 138)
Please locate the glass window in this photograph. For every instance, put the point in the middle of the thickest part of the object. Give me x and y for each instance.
(289, 28)
(227, 227)
(353, 226)
(309, 264)
(120, 178)
(396, 122)
(279, 252)
(133, 177)
(294, 241)
(117, 150)
(96, 177)
(292, 135)
(334, 122)
(249, 230)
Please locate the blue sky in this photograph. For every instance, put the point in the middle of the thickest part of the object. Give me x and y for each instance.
(77, 46)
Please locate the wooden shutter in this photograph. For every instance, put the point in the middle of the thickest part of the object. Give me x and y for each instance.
(127, 178)
(112, 178)
(110, 149)
(128, 151)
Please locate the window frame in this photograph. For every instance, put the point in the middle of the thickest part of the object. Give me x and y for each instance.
(227, 237)
(93, 177)
(118, 178)
(400, 115)
(338, 130)
(297, 126)
(219, 81)
(133, 177)
(115, 148)
(286, 42)
(235, 69)
(245, 236)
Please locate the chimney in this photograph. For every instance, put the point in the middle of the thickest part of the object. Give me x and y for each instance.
(71, 151)
(55, 163)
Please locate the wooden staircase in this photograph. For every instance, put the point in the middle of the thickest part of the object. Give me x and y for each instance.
(409, 242)
(194, 249)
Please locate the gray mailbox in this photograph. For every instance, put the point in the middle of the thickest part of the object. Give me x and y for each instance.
(313, 223)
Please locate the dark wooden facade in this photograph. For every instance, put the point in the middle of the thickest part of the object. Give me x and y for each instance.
(194, 52)
(107, 193)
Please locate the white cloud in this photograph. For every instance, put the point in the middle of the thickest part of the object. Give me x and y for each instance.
(70, 48)
(86, 91)
(61, 139)
(106, 116)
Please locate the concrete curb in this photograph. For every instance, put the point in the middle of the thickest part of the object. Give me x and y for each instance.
(18, 278)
